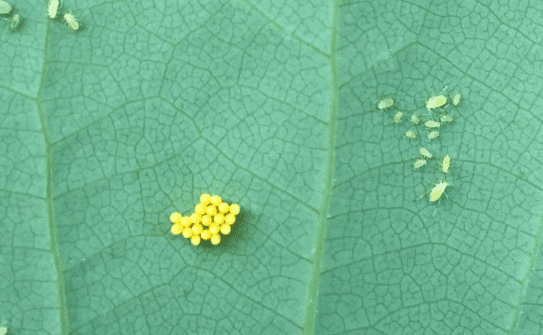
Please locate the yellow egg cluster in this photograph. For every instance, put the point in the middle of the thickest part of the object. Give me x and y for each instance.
(210, 219)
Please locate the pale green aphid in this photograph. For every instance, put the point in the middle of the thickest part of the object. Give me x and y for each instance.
(419, 163)
(438, 190)
(425, 153)
(71, 21)
(398, 117)
(411, 134)
(15, 22)
(433, 135)
(5, 8)
(432, 124)
(386, 103)
(53, 8)
(436, 102)
(456, 99)
(446, 119)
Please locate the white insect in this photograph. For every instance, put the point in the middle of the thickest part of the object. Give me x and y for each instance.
(456, 99)
(15, 22)
(446, 119)
(53, 8)
(432, 124)
(436, 102)
(71, 21)
(433, 134)
(410, 134)
(414, 119)
(5, 8)
(438, 190)
(419, 163)
(446, 164)
(398, 117)
(425, 153)
(386, 103)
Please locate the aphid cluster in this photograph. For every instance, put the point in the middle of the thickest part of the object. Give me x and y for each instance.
(54, 11)
(211, 218)
(7, 11)
(435, 121)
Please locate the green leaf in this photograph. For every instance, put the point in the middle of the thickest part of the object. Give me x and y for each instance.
(273, 105)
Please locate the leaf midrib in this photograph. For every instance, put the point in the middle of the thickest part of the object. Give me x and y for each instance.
(308, 323)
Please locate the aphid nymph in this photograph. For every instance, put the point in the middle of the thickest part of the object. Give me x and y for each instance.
(425, 153)
(15, 23)
(437, 191)
(456, 99)
(53, 8)
(410, 134)
(414, 119)
(432, 124)
(432, 135)
(436, 102)
(5, 8)
(446, 164)
(419, 163)
(385, 103)
(446, 119)
(398, 117)
(71, 21)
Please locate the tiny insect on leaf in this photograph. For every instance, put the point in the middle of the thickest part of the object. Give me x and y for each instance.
(446, 164)
(410, 134)
(432, 124)
(5, 8)
(52, 9)
(456, 99)
(386, 103)
(425, 153)
(433, 135)
(419, 163)
(71, 21)
(15, 23)
(436, 102)
(398, 117)
(437, 191)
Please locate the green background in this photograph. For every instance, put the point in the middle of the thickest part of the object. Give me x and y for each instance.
(271, 104)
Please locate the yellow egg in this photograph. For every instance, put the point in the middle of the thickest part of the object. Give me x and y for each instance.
(230, 219)
(176, 229)
(187, 233)
(215, 239)
(219, 218)
(195, 240)
(206, 220)
(234, 209)
(211, 210)
(216, 200)
(225, 229)
(205, 199)
(224, 207)
(175, 217)
(205, 235)
(214, 229)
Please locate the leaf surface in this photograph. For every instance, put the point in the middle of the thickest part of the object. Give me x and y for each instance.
(272, 105)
